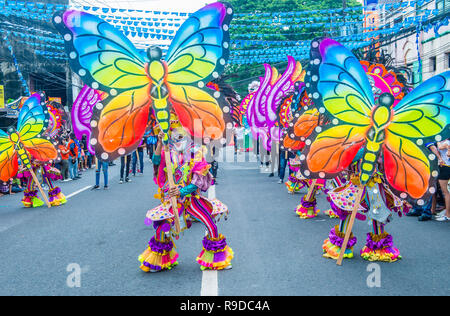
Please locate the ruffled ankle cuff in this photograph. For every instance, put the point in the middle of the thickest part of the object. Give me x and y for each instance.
(52, 196)
(31, 199)
(332, 245)
(307, 209)
(216, 254)
(158, 256)
(380, 248)
(28, 195)
(36, 202)
(55, 197)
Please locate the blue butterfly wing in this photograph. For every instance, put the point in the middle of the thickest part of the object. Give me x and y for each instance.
(196, 56)
(106, 60)
(339, 88)
(100, 54)
(200, 48)
(33, 117)
(337, 83)
(425, 112)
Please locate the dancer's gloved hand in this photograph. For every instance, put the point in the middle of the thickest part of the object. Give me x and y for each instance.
(174, 192)
(160, 136)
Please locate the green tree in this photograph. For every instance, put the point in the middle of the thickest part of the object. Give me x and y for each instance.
(244, 27)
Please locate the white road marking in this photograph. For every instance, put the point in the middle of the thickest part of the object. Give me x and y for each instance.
(210, 282)
(78, 192)
(210, 285)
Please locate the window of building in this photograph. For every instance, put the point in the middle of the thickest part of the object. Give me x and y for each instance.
(443, 5)
(447, 60)
(398, 20)
(433, 64)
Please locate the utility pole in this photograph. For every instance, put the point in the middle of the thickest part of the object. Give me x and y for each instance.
(344, 6)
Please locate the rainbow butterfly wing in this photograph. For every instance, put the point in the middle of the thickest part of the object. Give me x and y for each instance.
(33, 118)
(107, 61)
(32, 123)
(196, 56)
(8, 158)
(100, 54)
(339, 88)
(338, 84)
(420, 117)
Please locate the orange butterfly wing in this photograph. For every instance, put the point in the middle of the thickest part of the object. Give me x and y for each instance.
(306, 123)
(123, 120)
(41, 149)
(292, 144)
(8, 164)
(406, 167)
(197, 111)
(335, 148)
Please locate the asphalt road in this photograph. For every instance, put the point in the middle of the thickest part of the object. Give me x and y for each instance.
(102, 232)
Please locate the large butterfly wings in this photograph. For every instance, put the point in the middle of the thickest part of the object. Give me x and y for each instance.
(340, 89)
(338, 86)
(32, 122)
(106, 60)
(424, 113)
(196, 56)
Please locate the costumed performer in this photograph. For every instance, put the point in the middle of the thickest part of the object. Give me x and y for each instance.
(191, 176)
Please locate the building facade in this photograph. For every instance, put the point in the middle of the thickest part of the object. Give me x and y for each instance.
(22, 37)
(423, 48)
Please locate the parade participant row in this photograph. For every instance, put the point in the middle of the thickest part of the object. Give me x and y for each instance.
(354, 123)
(345, 121)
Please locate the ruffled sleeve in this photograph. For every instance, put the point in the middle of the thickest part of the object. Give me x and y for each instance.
(189, 189)
(201, 177)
